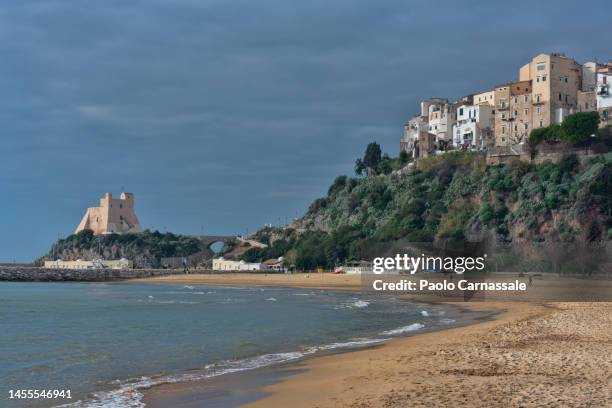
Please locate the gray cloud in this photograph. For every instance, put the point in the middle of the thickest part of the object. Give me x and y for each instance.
(232, 114)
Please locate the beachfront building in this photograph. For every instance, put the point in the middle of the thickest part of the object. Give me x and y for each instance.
(274, 265)
(513, 112)
(113, 216)
(474, 127)
(604, 95)
(221, 264)
(355, 268)
(119, 264)
(556, 80)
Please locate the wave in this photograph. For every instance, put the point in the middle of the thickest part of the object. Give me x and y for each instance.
(424, 313)
(271, 299)
(404, 329)
(129, 393)
(361, 303)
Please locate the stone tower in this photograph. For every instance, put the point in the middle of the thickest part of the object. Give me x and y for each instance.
(114, 215)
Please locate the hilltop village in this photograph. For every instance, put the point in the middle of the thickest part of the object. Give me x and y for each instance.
(549, 88)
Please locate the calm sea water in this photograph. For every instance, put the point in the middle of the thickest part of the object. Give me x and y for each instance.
(106, 342)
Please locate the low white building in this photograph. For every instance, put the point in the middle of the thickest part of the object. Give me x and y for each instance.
(474, 127)
(117, 264)
(355, 268)
(274, 265)
(603, 94)
(221, 264)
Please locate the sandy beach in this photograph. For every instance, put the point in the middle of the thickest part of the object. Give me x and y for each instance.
(298, 280)
(530, 355)
(554, 355)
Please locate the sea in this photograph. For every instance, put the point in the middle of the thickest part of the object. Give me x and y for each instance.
(107, 343)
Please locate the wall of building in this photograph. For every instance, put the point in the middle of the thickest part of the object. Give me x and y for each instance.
(604, 96)
(474, 126)
(487, 97)
(114, 215)
(96, 264)
(513, 112)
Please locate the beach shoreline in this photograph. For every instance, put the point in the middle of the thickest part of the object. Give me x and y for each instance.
(524, 356)
(325, 281)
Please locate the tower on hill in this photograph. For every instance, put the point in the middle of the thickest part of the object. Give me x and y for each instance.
(114, 215)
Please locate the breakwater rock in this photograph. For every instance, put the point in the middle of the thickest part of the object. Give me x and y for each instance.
(38, 274)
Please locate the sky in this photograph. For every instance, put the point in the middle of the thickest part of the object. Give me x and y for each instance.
(222, 116)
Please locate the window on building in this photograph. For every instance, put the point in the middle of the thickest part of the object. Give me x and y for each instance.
(539, 110)
(566, 98)
(560, 97)
(526, 126)
(503, 130)
(541, 67)
(515, 99)
(526, 111)
(461, 111)
(543, 78)
(515, 128)
(538, 98)
(541, 124)
(515, 113)
(526, 98)
(566, 80)
(503, 116)
(537, 79)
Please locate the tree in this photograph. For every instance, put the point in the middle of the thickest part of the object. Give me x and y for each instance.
(580, 126)
(373, 155)
(371, 159)
(359, 167)
(537, 136)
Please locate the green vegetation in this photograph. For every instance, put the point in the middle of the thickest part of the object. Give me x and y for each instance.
(450, 198)
(374, 162)
(575, 130)
(146, 248)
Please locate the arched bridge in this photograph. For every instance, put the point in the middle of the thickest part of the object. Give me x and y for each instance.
(208, 240)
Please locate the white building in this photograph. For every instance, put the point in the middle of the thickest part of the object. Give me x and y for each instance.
(441, 118)
(118, 264)
(221, 264)
(604, 95)
(355, 268)
(474, 127)
(274, 265)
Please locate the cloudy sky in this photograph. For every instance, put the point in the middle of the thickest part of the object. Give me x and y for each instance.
(224, 115)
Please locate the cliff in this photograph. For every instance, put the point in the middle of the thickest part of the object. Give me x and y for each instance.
(454, 197)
